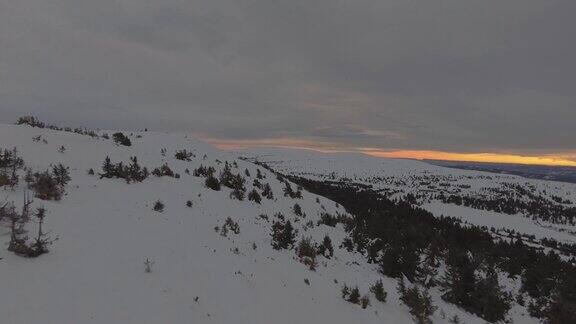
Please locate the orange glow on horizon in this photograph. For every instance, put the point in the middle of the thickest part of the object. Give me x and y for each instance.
(325, 147)
(475, 157)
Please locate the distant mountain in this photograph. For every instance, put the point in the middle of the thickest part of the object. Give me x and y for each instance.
(554, 173)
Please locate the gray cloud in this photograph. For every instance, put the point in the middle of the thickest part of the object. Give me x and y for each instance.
(391, 74)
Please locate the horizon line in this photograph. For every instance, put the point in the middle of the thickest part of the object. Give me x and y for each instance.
(554, 159)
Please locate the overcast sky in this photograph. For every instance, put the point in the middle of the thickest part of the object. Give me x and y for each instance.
(449, 75)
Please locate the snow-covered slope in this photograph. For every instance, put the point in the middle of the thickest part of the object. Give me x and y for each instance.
(106, 229)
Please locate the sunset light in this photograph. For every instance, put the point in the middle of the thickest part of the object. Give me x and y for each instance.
(550, 159)
(475, 157)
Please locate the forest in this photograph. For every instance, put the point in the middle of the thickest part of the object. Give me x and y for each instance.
(407, 241)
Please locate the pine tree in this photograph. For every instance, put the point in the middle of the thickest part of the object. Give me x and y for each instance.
(226, 176)
(42, 240)
(365, 301)
(61, 174)
(212, 183)
(427, 269)
(238, 189)
(326, 248)
(17, 231)
(135, 172)
(493, 303)
(254, 196)
(378, 290)
(283, 235)
(307, 252)
(419, 302)
(107, 169)
(158, 206)
(121, 139)
(354, 296)
(46, 187)
(297, 210)
(459, 280)
(267, 192)
(183, 155)
(345, 292)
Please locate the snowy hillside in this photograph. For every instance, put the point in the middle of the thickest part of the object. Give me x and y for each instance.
(498, 246)
(203, 268)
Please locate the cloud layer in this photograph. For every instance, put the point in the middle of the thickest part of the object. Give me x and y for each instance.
(449, 75)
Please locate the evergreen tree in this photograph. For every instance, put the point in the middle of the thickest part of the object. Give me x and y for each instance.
(164, 171)
(378, 290)
(427, 269)
(238, 189)
(226, 176)
(61, 174)
(267, 192)
(354, 296)
(46, 187)
(493, 303)
(283, 235)
(365, 301)
(419, 302)
(18, 233)
(297, 210)
(107, 169)
(121, 139)
(42, 240)
(254, 196)
(135, 172)
(183, 155)
(158, 206)
(326, 248)
(212, 183)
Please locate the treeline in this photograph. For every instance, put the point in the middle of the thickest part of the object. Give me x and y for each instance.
(409, 241)
(536, 207)
(35, 122)
(119, 138)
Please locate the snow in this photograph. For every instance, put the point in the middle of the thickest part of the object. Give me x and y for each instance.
(106, 229)
(498, 220)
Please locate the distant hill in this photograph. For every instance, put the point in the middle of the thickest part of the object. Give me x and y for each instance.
(543, 172)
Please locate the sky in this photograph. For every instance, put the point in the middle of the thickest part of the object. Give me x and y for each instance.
(449, 79)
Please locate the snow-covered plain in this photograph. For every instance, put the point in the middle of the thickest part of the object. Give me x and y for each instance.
(400, 177)
(106, 228)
